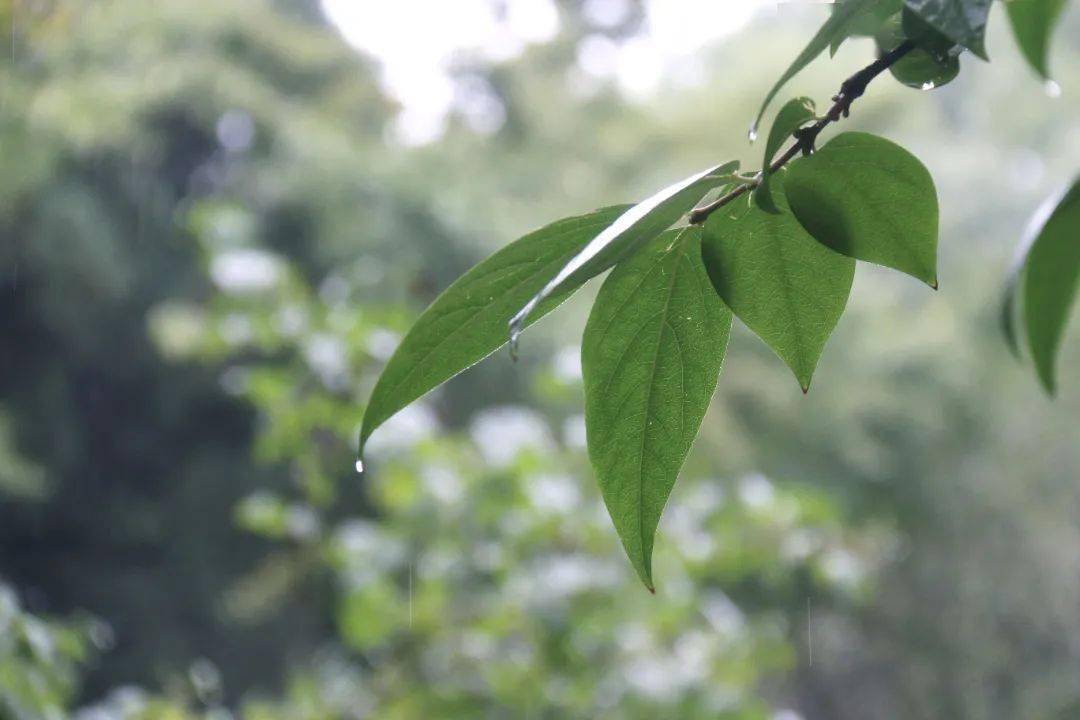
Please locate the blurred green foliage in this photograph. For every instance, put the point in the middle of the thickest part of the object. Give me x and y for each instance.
(208, 248)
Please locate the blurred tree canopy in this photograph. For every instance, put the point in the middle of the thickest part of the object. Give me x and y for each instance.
(208, 246)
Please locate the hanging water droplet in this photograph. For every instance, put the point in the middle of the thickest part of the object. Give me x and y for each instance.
(752, 135)
(360, 466)
(928, 85)
(517, 324)
(514, 346)
(1052, 89)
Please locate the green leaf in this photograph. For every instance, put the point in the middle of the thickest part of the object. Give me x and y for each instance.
(933, 63)
(468, 321)
(1033, 22)
(791, 117)
(630, 231)
(788, 288)
(835, 27)
(1012, 293)
(1050, 283)
(870, 199)
(866, 22)
(962, 21)
(651, 356)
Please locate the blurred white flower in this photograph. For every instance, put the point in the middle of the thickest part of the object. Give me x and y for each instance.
(502, 433)
(246, 270)
(413, 424)
(553, 493)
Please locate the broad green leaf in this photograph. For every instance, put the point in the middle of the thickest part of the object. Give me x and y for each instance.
(1050, 283)
(835, 27)
(1033, 22)
(651, 356)
(468, 321)
(933, 63)
(866, 22)
(783, 284)
(870, 199)
(962, 21)
(630, 231)
(791, 117)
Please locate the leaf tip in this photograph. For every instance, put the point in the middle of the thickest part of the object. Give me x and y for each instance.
(806, 389)
(934, 285)
(1049, 384)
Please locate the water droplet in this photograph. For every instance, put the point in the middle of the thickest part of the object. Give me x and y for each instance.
(928, 85)
(752, 135)
(1052, 89)
(517, 324)
(360, 466)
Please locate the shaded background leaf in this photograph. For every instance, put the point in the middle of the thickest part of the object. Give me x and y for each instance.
(1050, 283)
(1033, 23)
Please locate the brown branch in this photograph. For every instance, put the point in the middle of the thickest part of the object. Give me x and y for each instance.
(805, 138)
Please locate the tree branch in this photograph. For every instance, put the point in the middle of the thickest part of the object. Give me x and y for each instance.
(805, 138)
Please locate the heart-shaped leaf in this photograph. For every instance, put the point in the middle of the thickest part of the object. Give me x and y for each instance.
(870, 199)
(651, 356)
(1033, 22)
(791, 117)
(962, 21)
(630, 231)
(1050, 280)
(468, 321)
(782, 283)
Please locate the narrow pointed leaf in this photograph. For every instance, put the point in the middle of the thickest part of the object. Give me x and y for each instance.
(1033, 23)
(1050, 282)
(834, 28)
(788, 288)
(651, 356)
(468, 321)
(791, 117)
(962, 21)
(629, 232)
(868, 198)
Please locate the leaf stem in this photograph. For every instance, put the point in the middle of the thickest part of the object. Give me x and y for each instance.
(805, 138)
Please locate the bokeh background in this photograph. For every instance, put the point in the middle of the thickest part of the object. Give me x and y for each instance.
(218, 217)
